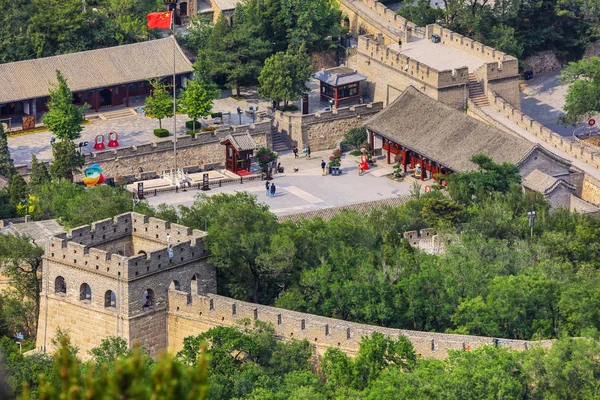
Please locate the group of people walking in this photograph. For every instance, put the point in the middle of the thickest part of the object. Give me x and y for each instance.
(270, 189)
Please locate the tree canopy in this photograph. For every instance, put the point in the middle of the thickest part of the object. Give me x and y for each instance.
(583, 95)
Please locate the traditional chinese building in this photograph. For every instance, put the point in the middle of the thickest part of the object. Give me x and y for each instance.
(239, 148)
(100, 78)
(417, 130)
(340, 86)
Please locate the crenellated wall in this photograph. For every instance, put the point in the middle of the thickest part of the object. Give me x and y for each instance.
(142, 268)
(323, 130)
(187, 318)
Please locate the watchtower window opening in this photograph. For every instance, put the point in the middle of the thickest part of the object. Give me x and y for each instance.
(175, 286)
(85, 292)
(59, 285)
(110, 300)
(194, 285)
(148, 299)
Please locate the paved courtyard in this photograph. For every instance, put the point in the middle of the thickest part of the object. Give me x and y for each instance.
(133, 129)
(307, 189)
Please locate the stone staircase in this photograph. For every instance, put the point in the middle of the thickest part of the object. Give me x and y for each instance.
(476, 92)
(279, 143)
(123, 113)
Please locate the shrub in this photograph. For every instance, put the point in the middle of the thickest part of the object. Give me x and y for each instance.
(161, 133)
(356, 153)
(191, 132)
(190, 124)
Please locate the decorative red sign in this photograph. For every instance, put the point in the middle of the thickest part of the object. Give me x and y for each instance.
(592, 122)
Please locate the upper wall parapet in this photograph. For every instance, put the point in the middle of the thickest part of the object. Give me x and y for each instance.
(498, 64)
(77, 247)
(335, 114)
(375, 48)
(321, 331)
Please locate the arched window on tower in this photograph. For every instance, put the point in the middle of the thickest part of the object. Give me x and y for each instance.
(175, 285)
(148, 299)
(194, 285)
(85, 292)
(110, 300)
(60, 287)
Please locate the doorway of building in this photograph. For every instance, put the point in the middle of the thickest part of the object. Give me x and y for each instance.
(105, 98)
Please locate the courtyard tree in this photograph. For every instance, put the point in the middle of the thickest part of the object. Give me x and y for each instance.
(355, 137)
(66, 160)
(39, 174)
(197, 99)
(18, 189)
(7, 166)
(159, 104)
(284, 76)
(63, 118)
(583, 94)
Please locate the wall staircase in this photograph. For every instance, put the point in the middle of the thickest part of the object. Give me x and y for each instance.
(122, 113)
(279, 143)
(476, 92)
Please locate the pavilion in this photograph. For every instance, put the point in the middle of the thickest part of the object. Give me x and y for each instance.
(340, 85)
(100, 78)
(239, 148)
(416, 129)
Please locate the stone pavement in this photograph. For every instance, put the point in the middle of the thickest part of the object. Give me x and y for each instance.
(133, 130)
(543, 98)
(306, 189)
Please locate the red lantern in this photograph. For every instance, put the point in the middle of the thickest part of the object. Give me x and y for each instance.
(110, 89)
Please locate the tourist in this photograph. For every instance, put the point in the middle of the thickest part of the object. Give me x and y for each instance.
(308, 152)
(360, 170)
(295, 151)
(323, 165)
(273, 190)
(267, 186)
(279, 169)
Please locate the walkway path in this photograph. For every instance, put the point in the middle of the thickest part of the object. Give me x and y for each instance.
(492, 113)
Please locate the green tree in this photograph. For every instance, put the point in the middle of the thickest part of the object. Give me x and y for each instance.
(22, 264)
(159, 104)
(18, 189)
(7, 167)
(239, 231)
(421, 13)
(284, 76)
(39, 174)
(63, 118)
(265, 156)
(66, 160)
(441, 211)
(355, 137)
(583, 93)
(196, 100)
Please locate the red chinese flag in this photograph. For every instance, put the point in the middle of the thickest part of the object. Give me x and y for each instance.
(161, 20)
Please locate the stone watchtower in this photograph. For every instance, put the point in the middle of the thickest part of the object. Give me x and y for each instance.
(112, 279)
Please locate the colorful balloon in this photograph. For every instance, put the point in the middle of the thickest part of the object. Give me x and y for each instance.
(93, 176)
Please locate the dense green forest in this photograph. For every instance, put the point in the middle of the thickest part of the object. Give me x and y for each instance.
(247, 362)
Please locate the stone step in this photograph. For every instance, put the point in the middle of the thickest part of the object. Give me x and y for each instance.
(128, 112)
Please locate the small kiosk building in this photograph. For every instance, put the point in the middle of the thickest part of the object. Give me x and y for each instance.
(239, 148)
(340, 85)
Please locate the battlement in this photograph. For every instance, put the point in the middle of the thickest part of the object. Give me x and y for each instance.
(213, 310)
(376, 49)
(341, 113)
(390, 16)
(127, 247)
(498, 64)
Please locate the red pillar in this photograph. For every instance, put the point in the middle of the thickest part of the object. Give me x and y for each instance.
(127, 95)
(335, 97)
(423, 170)
(388, 154)
(404, 159)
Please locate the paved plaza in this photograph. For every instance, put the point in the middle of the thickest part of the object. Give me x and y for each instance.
(543, 98)
(307, 189)
(133, 129)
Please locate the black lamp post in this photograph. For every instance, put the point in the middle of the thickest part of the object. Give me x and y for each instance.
(82, 144)
(239, 111)
(531, 215)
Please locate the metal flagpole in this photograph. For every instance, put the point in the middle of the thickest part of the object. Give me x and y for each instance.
(174, 179)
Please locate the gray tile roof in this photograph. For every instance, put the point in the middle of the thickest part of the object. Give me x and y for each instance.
(226, 5)
(241, 141)
(360, 208)
(39, 231)
(541, 182)
(443, 134)
(91, 69)
(582, 206)
(339, 76)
